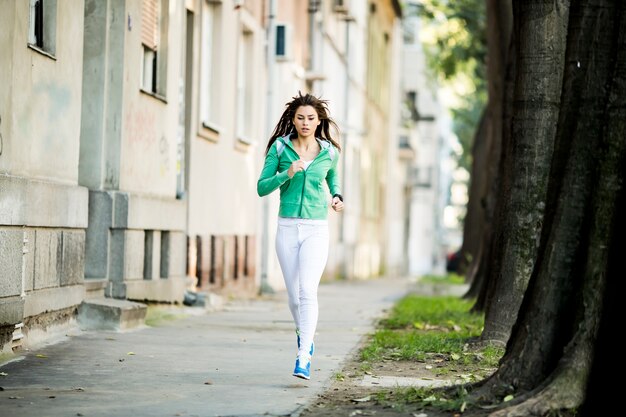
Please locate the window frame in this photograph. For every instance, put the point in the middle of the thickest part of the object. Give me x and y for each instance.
(209, 115)
(42, 27)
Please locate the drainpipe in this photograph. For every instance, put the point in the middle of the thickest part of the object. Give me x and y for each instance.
(346, 116)
(24, 252)
(18, 336)
(312, 9)
(265, 287)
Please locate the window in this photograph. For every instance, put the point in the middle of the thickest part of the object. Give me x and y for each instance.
(154, 46)
(209, 79)
(42, 25)
(283, 41)
(245, 65)
(340, 6)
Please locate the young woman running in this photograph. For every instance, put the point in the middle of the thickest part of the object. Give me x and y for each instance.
(301, 155)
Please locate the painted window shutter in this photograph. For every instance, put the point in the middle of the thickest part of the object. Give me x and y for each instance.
(149, 23)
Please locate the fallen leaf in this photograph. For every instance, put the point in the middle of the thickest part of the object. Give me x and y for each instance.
(130, 353)
(455, 356)
(39, 355)
(463, 407)
(428, 367)
(431, 398)
(3, 374)
(420, 415)
(362, 400)
(508, 398)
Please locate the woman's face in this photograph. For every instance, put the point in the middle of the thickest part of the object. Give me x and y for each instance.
(306, 121)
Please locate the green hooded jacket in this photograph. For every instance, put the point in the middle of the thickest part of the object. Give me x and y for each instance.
(303, 196)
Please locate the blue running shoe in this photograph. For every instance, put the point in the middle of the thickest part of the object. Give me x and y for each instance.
(302, 369)
(312, 345)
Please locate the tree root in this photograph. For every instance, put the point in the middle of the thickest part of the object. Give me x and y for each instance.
(560, 394)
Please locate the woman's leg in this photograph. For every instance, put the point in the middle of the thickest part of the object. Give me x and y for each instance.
(312, 261)
(287, 247)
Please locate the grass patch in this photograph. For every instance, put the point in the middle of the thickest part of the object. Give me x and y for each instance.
(158, 315)
(448, 279)
(433, 329)
(423, 313)
(423, 397)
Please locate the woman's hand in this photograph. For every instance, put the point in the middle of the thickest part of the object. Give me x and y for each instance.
(296, 166)
(337, 204)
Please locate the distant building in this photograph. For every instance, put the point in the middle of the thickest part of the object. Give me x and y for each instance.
(425, 133)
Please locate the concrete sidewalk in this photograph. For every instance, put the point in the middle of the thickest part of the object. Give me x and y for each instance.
(236, 362)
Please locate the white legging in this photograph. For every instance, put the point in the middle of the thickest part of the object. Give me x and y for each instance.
(302, 249)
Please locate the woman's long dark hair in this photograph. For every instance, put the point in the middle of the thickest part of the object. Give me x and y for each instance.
(285, 124)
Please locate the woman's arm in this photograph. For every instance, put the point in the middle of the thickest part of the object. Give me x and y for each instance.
(332, 179)
(270, 179)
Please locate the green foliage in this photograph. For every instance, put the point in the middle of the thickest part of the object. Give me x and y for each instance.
(455, 43)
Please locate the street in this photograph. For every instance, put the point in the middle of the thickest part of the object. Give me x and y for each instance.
(234, 362)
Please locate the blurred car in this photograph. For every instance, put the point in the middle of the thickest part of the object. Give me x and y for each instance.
(452, 261)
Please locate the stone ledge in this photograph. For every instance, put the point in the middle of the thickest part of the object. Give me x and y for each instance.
(38, 203)
(170, 290)
(127, 210)
(52, 299)
(110, 314)
(11, 310)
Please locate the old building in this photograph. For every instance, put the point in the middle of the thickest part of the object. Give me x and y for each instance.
(132, 134)
(43, 207)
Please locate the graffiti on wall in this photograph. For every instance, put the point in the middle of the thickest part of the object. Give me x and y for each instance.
(148, 146)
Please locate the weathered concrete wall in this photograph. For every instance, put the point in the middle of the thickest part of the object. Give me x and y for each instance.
(43, 113)
(128, 154)
(223, 170)
(150, 124)
(43, 211)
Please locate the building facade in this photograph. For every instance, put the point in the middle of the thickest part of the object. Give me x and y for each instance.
(132, 134)
(43, 207)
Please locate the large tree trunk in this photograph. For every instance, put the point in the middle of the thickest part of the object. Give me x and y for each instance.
(540, 33)
(526, 164)
(474, 222)
(499, 29)
(499, 24)
(548, 355)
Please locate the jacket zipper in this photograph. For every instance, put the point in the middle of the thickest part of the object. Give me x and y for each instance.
(304, 181)
(302, 194)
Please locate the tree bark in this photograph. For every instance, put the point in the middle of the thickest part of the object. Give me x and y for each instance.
(540, 34)
(552, 342)
(474, 222)
(499, 30)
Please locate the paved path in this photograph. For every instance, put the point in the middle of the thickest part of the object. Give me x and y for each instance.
(235, 362)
